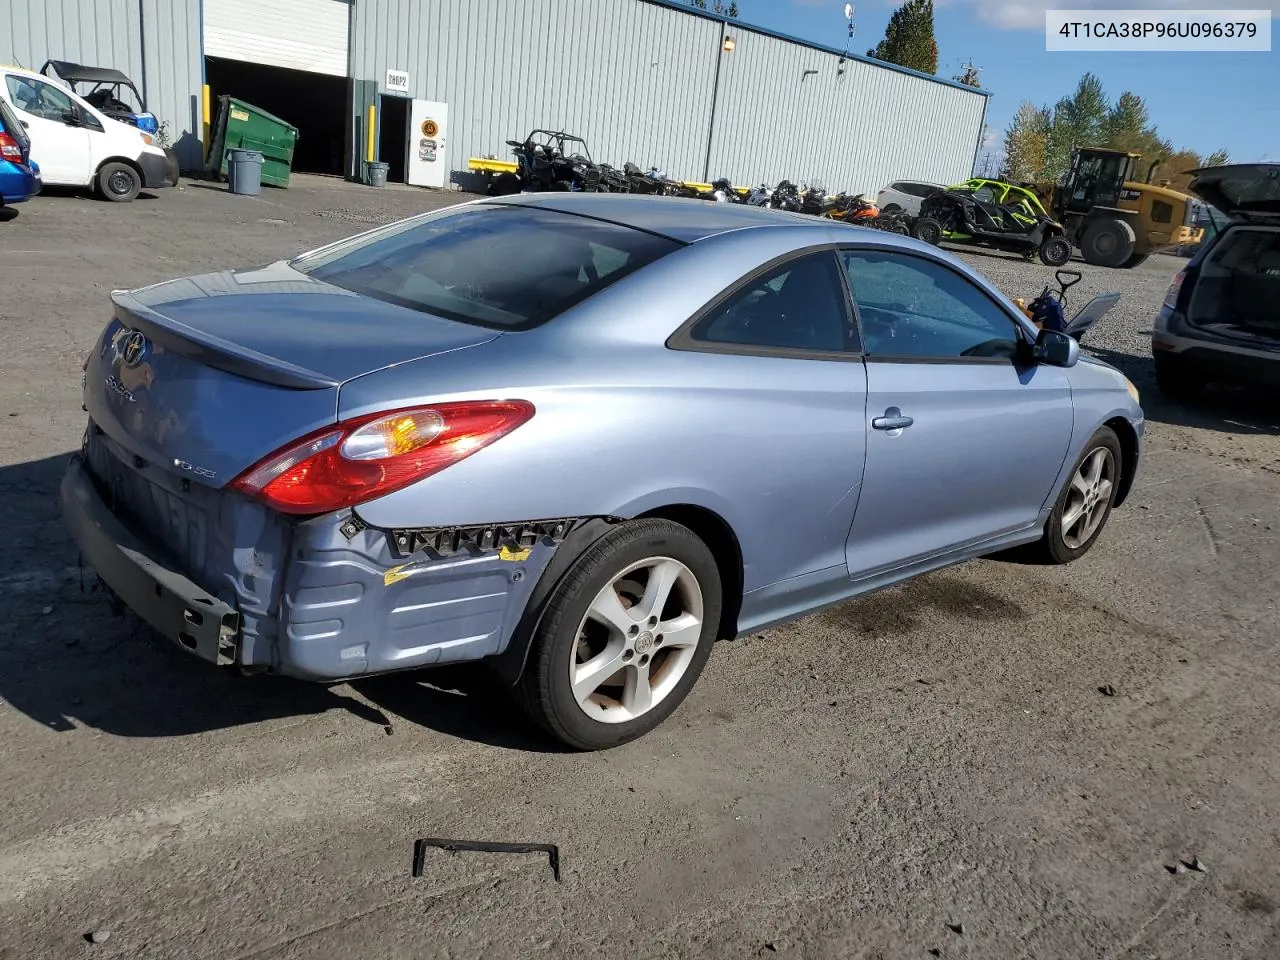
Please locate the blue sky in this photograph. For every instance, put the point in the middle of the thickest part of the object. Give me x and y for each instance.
(1202, 101)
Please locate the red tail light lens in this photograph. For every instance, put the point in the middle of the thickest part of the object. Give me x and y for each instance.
(1171, 295)
(9, 148)
(368, 457)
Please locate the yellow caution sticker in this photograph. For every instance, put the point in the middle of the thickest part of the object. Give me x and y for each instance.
(514, 556)
(238, 114)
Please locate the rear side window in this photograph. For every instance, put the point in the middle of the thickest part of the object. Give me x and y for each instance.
(506, 267)
(1162, 212)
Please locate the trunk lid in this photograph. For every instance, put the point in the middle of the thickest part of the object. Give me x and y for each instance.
(206, 375)
(1249, 191)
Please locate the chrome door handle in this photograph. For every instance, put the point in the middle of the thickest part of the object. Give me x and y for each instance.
(892, 420)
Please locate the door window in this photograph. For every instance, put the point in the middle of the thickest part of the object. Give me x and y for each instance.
(800, 305)
(38, 98)
(917, 309)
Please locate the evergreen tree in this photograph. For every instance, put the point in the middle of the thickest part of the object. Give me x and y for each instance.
(908, 40)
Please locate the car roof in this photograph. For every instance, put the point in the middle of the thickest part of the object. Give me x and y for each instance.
(686, 220)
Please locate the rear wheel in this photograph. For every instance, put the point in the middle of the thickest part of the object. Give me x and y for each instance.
(119, 182)
(1055, 251)
(1085, 502)
(1175, 380)
(1108, 243)
(624, 636)
(892, 208)
(505, 184)
(929, 230)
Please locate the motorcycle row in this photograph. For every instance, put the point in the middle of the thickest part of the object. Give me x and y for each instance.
(553, 160)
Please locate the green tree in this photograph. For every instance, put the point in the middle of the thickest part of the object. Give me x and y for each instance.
(1026, 143)
(1219, 158)
(1127, 125)
(1078, 121)
(908, 40)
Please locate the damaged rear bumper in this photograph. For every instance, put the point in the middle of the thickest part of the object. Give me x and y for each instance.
(326, 598)
(172, 604)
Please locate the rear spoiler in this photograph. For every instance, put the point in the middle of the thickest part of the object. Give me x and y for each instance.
(214, 351)
(1093, 311)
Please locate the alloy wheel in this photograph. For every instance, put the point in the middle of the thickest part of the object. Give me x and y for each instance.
(637, 640)
(1088, 498)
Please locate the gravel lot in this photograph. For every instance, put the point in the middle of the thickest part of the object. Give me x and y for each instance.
(932, 771)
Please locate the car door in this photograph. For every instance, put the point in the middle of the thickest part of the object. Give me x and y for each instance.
(965, 437)
(780, 349)
(58, 127)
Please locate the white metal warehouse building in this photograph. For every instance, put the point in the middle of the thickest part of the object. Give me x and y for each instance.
(653, 82)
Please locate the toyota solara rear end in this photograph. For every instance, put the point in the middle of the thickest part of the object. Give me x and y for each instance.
(236, 419)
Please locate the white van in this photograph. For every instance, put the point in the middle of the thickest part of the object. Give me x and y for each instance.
(78, 146)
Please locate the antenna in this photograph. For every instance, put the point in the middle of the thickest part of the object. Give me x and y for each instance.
(848, 15)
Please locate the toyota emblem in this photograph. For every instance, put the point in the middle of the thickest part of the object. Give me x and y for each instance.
(135, 349)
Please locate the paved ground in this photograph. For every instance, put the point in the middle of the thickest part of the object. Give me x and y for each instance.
(850, 786)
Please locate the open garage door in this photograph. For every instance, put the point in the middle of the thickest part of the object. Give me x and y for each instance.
(288, 57)
(310, 35)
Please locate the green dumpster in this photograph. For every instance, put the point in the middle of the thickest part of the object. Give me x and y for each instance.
(242, 126)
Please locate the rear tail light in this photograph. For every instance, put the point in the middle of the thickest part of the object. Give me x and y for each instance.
(9, 148)
(370, 456)
(1171, 296)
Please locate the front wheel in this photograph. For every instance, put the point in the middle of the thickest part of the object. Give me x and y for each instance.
(119, 182)
(929, 230)
(624, 636)
(1055, 251)
(1085, 503)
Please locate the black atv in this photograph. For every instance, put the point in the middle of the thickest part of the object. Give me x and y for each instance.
(961, 216)
(549, 160)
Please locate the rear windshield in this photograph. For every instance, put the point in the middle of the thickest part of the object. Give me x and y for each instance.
(506, 267)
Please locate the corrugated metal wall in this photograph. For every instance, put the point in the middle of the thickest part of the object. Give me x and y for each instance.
(631, 78)
(635, 79)
(858, 131)
(122, 34)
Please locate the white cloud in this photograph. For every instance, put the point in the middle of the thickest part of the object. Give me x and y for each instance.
(1029, 14)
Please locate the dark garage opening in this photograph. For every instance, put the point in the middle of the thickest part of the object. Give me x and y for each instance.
(393, 135)
(315, 103)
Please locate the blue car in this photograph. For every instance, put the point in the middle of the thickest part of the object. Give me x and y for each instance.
(579, 437)
(19, 175)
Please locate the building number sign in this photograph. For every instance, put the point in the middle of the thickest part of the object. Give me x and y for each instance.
(397, 81)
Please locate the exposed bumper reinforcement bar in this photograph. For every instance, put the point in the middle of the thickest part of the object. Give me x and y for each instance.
(175, 606)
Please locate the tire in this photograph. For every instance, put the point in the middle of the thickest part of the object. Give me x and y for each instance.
(1055, 251)
(892, 208)
(1057, 546)
(1137, 260)
(1175, 380)
(118, 182)
(615, 570)
(1108, 243)
(505, 185)
(928, 230)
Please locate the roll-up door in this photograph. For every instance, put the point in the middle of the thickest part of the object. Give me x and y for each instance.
(309, 35)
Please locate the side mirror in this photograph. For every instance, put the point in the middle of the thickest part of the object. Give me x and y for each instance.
(72, 119)
(1056, 349)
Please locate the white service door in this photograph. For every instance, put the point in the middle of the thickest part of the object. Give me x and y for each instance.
(59, 139)
(428, 164)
